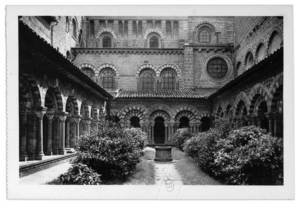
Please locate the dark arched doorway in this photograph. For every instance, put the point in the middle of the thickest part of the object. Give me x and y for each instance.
(135, 122)
(184, 122)
(159, 131)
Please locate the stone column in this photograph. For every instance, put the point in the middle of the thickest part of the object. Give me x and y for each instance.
(61, 139)
(67, 132)
(88, 125)
(23, 136)
(40, 115)
(77, 122)
(269, 117)
(50, 116)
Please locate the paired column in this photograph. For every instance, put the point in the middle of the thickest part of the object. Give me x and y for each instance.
(61, 140)
(23, 136)
(40, 115)
(50, 116)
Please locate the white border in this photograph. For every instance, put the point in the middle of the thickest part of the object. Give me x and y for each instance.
(16, 191)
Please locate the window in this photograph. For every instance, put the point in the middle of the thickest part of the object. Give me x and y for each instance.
(134, 27)
(135, 122)
(274, 42)
(140, 27)
(67, 24)
(176, 27)
(168, 79)
(204, 35)
(217, 68)
(106, 42)
(260, 52)
(154, 42)
(125, 27)
(92, 27)
(149, 23)
(249, 60)
(121, 27)
(74, 26)
(147, 79)
(107, 78)
(110, 23)
(168, 27)
(88, 71)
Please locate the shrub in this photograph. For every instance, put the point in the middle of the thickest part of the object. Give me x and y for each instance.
(180, 136)
(113, 153)
(78, 174)
(138, 135)
(201, 148)
(249, 156)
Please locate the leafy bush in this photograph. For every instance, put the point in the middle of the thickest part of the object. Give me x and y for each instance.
(201, 148)
(180, 136)
(243, 156)
(79, 174)
(138, 135)
(113, 153)
(249, 156)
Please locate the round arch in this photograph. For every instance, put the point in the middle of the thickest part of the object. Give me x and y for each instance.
(256, 92)
(53, 99)
(146, 66)
(172, 66)
(72, 106)
(241, 97)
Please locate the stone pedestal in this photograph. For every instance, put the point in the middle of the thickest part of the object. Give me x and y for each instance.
(163, 153)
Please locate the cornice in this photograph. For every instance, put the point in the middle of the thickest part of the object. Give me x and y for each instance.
(145, 51)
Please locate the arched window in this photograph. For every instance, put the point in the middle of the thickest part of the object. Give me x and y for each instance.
(260, 52)
(107, 78)
(67, 24)
(249, 60)
(204, 34)
(238, 68)
(147, 79)
(154, 40)
(106, 42)
(168, 79)
(74, 27)
(217, 68)
(88, 71)
(274, 42)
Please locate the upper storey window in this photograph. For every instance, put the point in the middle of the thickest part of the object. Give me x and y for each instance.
(168, 79)
(147, 80)
(107, 78)
(67, 24)
(204, 35)
(275, 42)
(249, 60)
(154, 40)
(74, 27)
(217, 68)
(106, 40)
(88, 71)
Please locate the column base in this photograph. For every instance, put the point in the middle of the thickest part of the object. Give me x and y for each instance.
(39, 156)
(61, 151)
(23, 158)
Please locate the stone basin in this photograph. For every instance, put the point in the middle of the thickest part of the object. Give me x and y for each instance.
(163, 153)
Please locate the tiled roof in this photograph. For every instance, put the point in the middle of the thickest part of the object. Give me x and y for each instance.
(184, 93)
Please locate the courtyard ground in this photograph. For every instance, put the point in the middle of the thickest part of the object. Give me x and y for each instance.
(181, 171)
(190, 173)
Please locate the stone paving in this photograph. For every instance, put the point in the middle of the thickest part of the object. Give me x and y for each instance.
(166, 174)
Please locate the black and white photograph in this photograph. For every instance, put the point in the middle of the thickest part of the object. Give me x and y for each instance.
(160, 104)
